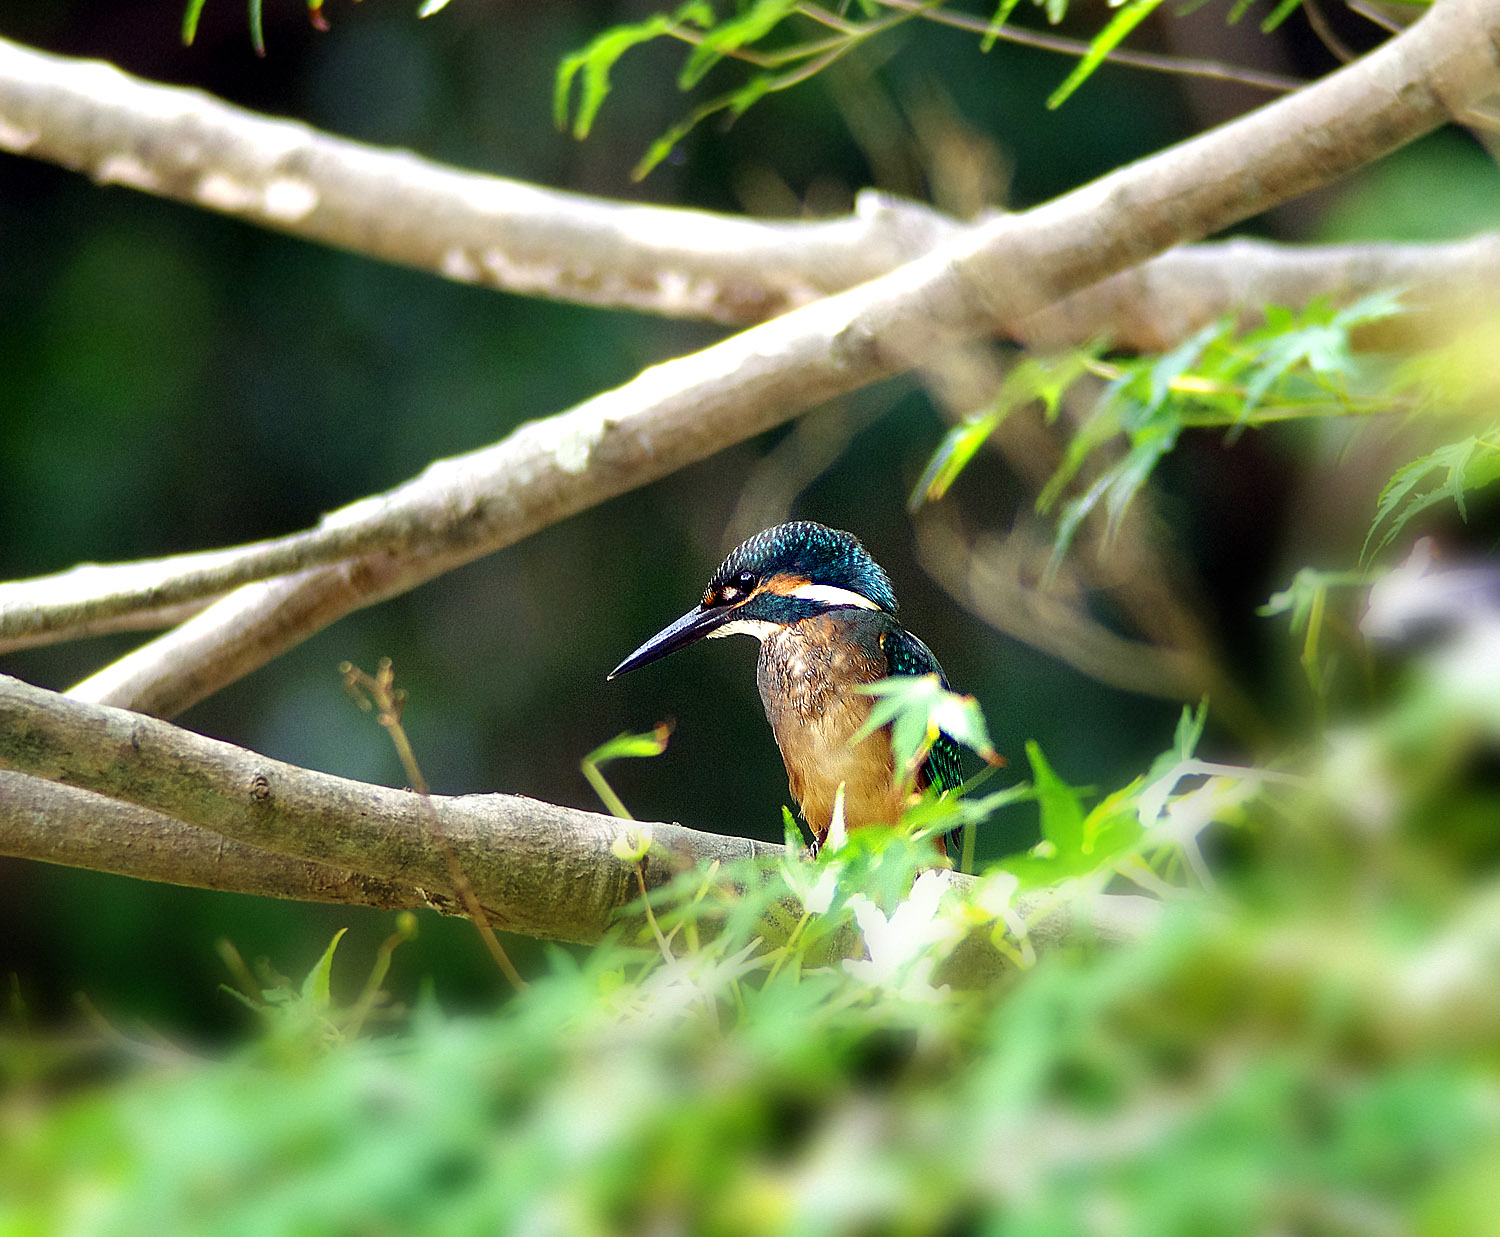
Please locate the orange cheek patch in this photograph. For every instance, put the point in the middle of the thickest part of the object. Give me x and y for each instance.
(784, 586)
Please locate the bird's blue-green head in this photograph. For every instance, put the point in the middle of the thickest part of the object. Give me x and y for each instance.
(776, 578)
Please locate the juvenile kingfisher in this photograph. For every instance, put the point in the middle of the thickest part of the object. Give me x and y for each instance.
(825, 615)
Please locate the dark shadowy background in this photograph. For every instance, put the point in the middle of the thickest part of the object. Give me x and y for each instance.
(174, 380)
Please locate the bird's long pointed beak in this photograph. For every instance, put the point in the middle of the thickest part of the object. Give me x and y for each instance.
(694, 625)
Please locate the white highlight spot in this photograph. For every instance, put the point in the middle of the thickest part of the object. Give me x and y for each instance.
(288, 199)
(833, 595)
(221, 192)
(572, 446)
(456, 264)
(14, 138)
(125, 170)
(520, 276)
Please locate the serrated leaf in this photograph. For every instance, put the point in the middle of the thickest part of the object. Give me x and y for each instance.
(1073, 513)
(1296, 598)
(1049, 378)
(1184, 741)
(1036, 378)
(759, 21)
(918, 708)
(594, 63)
(1171, 366)
(1126, 20)
(1126, 478)
(962, 720)
(1373, 308)
(1469, 464)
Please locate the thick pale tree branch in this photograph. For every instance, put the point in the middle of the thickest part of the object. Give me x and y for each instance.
(54, 823)
(186, 145)
(90, 786)
(995, 272)
(536, 868)
(1156, 305)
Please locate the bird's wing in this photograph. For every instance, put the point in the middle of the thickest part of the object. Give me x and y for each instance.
(905, 654)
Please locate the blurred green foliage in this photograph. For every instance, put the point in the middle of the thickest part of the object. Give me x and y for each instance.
(1310, 1049)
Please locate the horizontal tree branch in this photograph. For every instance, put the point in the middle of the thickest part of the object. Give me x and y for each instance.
(390, 204)
(55, 823)
(1003, 270)
(537, 868)
(102, 788)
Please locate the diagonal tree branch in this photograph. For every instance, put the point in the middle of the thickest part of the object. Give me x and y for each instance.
(999, 271)
(1153, 306)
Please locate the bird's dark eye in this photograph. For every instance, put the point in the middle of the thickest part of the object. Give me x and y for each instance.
(745, 581)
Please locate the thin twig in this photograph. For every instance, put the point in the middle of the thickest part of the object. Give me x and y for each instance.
(1216, 70)
(388, 703)
(1318, 20)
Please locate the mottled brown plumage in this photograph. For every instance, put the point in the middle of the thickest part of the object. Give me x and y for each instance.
(805, 675)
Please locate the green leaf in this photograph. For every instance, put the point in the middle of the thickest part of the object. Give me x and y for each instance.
(257, 31)
(594, 63)
(1306, 591)
(1278, 15)
(190, 16)
(622, 746)
(1163, 776)
(1126, 20)
(1171, 366)
(315, 986)
(1061, 805)
(951, 457)
(904, 703)
(1002, 15)
(918, 708)
(1037, 378)
(736, 102)
(762, 18)
(1470, 464)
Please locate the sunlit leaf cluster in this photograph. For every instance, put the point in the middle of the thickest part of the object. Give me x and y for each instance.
(779, 44)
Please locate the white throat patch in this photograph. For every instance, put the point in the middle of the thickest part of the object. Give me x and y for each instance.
(759, 628)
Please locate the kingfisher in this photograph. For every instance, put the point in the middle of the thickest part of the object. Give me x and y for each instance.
(824, 612)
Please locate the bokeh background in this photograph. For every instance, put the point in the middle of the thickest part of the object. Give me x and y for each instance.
(171, 380)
